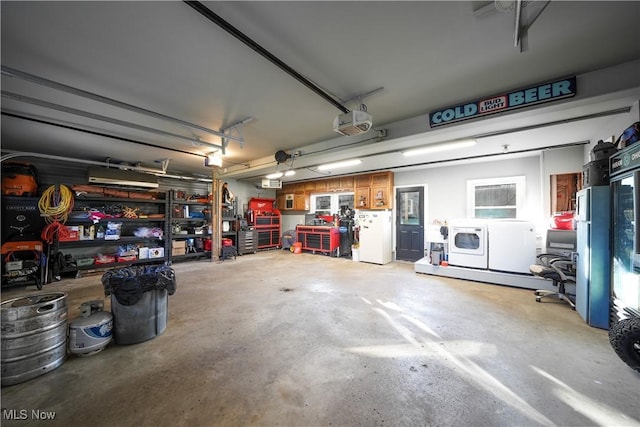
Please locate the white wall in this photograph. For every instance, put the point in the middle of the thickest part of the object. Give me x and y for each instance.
(447, 194)
(290, 220)
(447, 185)
(244, 191)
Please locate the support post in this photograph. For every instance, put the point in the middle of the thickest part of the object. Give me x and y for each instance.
(216, 215)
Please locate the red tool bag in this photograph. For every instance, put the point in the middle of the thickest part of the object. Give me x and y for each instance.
(19, 179)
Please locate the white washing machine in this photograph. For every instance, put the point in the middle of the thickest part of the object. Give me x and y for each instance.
(468, 243)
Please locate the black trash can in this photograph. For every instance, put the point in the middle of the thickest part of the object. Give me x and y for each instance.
(139, 301)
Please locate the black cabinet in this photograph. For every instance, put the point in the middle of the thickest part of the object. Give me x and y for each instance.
(247, 242)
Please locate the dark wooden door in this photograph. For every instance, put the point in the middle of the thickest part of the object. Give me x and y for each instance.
(410, 223)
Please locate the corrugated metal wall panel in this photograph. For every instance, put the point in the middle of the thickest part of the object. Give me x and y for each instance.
(52, 172)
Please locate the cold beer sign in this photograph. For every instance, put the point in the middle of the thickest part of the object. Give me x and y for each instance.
(547, 92)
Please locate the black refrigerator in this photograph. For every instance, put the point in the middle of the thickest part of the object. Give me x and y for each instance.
(624, 169)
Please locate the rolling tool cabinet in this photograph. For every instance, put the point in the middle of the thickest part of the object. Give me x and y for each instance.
(319, 239)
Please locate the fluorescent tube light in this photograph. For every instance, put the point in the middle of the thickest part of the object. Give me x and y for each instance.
(440, 147)
(290, 172)
(342, 164)
(274, 175)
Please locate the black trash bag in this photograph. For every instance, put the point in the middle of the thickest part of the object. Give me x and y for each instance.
(127, 290)
(130, 283)
(167, 279)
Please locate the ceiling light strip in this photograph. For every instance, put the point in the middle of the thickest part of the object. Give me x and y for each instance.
(341, 164)
(274, 175)
(436, 148)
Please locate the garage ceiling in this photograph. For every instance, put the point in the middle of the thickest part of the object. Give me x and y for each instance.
(414, 56)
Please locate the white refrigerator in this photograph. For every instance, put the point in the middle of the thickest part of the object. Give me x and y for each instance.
(375, 236)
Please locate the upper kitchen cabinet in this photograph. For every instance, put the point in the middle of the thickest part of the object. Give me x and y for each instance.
(381, 190)
(363, 191)
(371, 191)
(340, 184)
(321, 186)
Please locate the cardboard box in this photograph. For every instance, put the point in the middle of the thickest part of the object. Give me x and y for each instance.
(143, 253)
(178, 244)
(178, 251)
(156, 252)
(74, 234)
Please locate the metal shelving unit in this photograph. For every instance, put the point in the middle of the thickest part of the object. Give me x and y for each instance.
(86, 247)
(230, 228)
(195, 217)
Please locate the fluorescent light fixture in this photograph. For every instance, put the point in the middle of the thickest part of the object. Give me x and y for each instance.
(290, 172)
(342, 164)
(436, 148)
(274, 175)
(213, 160)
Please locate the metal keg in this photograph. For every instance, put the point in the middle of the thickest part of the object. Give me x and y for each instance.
(34, 336)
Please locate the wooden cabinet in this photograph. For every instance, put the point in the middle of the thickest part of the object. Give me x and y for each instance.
(340, 184)
(334, 184)
(362, 197)
(301, 201)
(371, 191)
(347, 183)
(381, 190)
(362, 181)
(293, 198)
(321, 186)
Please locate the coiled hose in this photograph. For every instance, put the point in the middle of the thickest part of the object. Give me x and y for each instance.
(55, 204)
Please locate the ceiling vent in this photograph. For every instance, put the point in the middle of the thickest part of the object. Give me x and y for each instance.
(271, 183)
(115, 176)
(352, 123)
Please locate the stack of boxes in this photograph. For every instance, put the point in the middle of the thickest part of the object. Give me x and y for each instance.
(178, 247)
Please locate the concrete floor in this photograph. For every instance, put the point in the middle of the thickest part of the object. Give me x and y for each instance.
(351, 344)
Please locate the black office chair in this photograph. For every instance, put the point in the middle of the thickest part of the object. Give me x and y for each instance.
(559, 269)
(557, 264)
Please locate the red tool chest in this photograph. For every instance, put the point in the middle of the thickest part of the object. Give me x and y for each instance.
(265, 220)
(319, 239)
